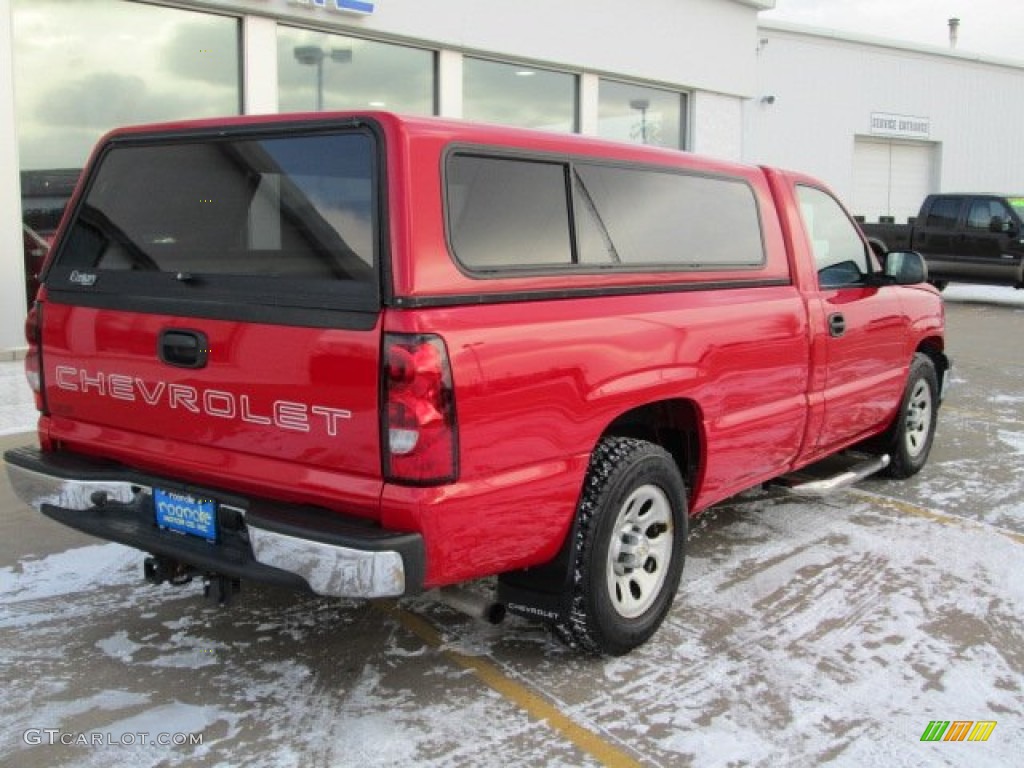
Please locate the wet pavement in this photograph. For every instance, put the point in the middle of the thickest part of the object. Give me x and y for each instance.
(806, 632)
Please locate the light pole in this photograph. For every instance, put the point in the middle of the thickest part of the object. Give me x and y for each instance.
(642, 105)
(314, 55)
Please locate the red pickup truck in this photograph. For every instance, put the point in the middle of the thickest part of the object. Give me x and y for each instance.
(369, 355)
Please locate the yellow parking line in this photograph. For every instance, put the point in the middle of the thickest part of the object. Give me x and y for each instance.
(939, 517)
(533, 704)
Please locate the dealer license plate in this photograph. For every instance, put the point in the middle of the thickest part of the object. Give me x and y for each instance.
(185, 513)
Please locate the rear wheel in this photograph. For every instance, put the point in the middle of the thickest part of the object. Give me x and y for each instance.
(909, 440)
(631, 543)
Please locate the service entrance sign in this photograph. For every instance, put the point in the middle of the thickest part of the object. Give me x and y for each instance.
(900, 126)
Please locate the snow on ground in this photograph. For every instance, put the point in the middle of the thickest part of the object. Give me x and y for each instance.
(17, 411)
(805, 633)
(989, 294)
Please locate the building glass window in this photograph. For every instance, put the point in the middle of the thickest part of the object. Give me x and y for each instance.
(519, 94)
(83, 68)
(644, 115)
(316, 71)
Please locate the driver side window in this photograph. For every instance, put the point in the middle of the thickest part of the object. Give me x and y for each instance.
(983, 212)
(839, 251)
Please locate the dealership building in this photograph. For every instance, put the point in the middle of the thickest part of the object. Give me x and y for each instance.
(883, 122)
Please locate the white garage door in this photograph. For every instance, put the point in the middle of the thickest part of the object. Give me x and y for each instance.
(891, 178)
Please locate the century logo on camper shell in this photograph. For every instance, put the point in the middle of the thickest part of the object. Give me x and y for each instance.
(283, 414)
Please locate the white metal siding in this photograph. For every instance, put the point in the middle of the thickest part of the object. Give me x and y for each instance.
(824, 88)
(717, 125)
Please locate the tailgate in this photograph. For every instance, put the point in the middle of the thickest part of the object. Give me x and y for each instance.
(299, 394)
(215, 295)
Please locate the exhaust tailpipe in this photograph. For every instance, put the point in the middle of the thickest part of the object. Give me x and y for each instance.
(472, 604)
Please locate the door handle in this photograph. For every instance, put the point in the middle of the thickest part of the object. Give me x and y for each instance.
(836, 325)
(183, 348)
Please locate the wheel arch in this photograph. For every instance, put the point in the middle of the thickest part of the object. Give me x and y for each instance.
(934, 348)
(675, 425)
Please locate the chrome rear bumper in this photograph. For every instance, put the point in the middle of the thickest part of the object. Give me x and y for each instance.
(262, 540)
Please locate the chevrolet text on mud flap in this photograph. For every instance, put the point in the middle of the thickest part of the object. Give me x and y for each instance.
(283, 414)
(551, 352)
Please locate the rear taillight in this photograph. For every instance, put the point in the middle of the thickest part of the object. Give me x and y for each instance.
(33, 358)
(419, 439)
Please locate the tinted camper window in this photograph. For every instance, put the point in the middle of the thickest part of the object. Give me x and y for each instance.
(656, 218)
(511, 213)
(293, 217)
(508, 213)
(290, 206)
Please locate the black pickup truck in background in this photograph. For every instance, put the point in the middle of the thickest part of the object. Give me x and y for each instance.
(967, 238)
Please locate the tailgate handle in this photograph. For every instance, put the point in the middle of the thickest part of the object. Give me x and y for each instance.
(183, 349)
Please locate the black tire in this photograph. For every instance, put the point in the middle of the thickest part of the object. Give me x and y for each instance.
(909, 440)
(939, 284)
(631, 545)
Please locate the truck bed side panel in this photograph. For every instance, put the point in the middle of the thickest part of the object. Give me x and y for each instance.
(538, 383)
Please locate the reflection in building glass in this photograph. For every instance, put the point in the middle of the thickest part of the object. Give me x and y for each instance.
(513, 94)
(368, 73)
(314, 55)
(642, 105)
(83, 68)
(661, 118)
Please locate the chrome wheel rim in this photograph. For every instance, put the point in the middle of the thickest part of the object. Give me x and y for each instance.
(641, 551)
(918, 419)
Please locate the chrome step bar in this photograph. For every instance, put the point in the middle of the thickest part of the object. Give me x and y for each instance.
(845, 479)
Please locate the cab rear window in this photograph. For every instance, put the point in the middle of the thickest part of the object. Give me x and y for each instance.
(293, 214)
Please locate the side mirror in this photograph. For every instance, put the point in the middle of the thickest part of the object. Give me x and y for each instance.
(906, 267)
